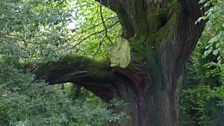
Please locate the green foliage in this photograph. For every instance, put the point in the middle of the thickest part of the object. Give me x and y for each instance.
(24, 101)
(32, 29)
(89, 39)
(202, 105)
(38, 31)
(202, 95)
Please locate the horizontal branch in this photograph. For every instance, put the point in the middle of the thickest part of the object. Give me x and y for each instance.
(96, 76)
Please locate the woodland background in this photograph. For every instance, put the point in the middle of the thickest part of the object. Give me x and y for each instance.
(38, 31)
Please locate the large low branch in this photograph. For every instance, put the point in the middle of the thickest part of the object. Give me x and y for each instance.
(96, 76)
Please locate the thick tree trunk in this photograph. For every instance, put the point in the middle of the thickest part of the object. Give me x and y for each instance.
(150, 101)
(158, 108)
(161, 40)
(162, 34)
(151, 86)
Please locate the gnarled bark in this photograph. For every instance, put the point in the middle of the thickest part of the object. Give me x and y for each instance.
(162, 34)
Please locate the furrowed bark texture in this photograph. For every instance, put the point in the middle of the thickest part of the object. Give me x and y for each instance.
(162, 35)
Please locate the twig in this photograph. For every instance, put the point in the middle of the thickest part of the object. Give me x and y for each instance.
(90, 35)
(100, 44)
(98, 24)
(104, 24)
(105, 30)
